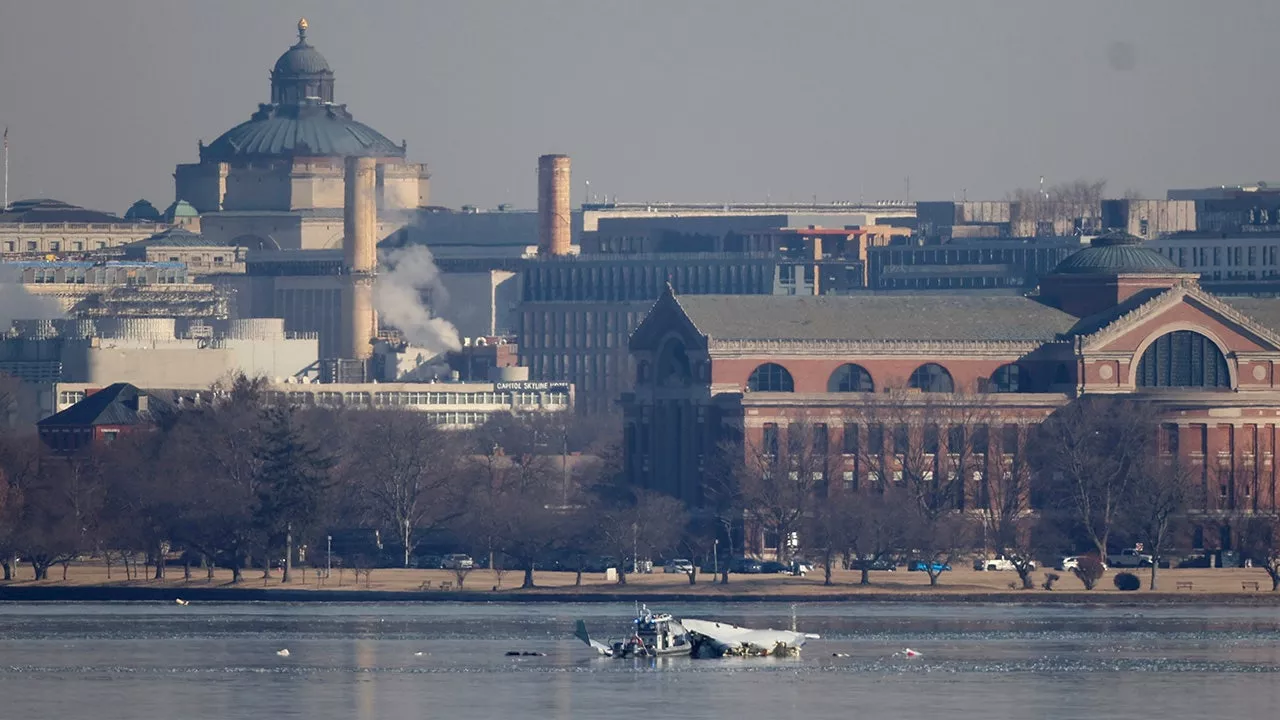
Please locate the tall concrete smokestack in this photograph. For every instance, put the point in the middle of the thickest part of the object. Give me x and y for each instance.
(554, 214)
(360, 255)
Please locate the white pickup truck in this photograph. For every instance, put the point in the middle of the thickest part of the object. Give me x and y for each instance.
(998, 562)
(1129, 557)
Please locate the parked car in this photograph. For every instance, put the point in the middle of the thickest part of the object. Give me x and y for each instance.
(799, 568)
(746, 566)
(771, 567)
(430, 562)
(1129, 557)
(1071, 562)
(457, 561)
(998, 563)
(679, 565)
(922, 566)
(884, 563)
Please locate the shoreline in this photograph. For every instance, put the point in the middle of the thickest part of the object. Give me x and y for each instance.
(170, 593)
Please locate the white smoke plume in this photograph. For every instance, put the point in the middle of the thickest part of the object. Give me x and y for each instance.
(408, 282)
(18, 304)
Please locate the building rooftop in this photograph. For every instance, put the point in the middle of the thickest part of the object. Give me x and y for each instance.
(113, 405)
(45, 210)
(960, 318)
(179, 237)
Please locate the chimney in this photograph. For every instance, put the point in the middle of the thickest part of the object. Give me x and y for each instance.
(360, 257)
(554, 213)
(143, 403)
(360, 215)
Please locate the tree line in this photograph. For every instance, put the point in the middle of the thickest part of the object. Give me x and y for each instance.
(239, 483)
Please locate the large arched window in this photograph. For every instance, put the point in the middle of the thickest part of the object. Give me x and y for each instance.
(1183, 358)
(771, 377)
(932, 377)
(673, 365)
(850, 378)
(1008, 379)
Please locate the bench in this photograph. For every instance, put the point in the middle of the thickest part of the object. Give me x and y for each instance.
(425, 586)
(1250, 585)
(1185, 585)
(446, 585)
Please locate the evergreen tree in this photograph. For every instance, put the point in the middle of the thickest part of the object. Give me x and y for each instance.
(292, 483)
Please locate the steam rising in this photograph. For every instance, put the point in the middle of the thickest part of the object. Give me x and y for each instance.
(18, 304)
(408, 281)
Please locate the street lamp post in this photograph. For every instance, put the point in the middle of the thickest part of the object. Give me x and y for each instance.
(328, 558)
(715, 557)
(635, 561)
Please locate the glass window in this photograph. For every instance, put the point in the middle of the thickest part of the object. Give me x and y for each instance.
(771, 377)
(850, 439)
(1183, 358)
(769, 439)
(1007, 379)
(932, 377)
(850, 378)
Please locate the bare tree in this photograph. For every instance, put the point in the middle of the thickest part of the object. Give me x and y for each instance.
(1261, 544)
(779, 484)
(516, 511)
(723, 496)
(1007, 516)
(928, 445)
(641, 523)
(404, 469)
(1088, 455)
(878, 528)
(1059, 206)
(1163, 489)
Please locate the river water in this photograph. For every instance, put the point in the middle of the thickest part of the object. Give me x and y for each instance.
(361, 662)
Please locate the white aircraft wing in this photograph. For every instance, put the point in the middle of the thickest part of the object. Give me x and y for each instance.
(580, 632)
(733, 637)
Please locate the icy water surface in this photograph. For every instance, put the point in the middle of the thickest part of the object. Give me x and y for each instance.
(360, 662)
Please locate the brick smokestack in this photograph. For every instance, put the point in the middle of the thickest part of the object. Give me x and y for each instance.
(554, 213)
(360, 258)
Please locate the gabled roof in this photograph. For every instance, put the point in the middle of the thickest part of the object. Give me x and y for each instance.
(113, 405)
(876, 318)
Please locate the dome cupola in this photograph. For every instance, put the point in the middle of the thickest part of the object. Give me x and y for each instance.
(1115, 253)
(301, 74)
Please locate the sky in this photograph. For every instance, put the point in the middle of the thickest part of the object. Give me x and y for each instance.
(665, 100)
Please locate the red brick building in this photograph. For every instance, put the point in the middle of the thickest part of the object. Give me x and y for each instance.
(1113, 318)
(102, 416)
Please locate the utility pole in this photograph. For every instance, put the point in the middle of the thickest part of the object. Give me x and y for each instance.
(6, 169)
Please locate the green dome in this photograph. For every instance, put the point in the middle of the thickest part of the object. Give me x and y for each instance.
(1116, 253)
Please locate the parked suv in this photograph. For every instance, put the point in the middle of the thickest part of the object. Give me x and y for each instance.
(679, 565)
(1129, 557)
(457, 561)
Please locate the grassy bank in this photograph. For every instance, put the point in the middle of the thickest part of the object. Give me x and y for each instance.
(90, 582)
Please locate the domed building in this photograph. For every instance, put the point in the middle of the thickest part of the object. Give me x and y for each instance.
(277, 179)
(760, 373)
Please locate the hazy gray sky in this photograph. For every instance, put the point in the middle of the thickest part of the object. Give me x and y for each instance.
(664, 99)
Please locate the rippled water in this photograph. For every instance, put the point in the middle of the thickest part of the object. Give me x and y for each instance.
(219, 661)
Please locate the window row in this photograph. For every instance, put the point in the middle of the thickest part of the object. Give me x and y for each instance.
(929, 377)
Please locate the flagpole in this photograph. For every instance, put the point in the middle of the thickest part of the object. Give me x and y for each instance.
(6, 169)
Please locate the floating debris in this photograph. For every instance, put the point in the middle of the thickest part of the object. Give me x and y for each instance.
(283, 652)
(182, 602)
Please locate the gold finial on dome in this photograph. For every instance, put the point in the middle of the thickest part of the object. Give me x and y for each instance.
(302, 28)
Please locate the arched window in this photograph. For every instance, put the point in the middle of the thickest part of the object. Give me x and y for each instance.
(932, 377)
(1183, 358)
(850, 378)
(673, 365)
(1007, 379)
(771, 377)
